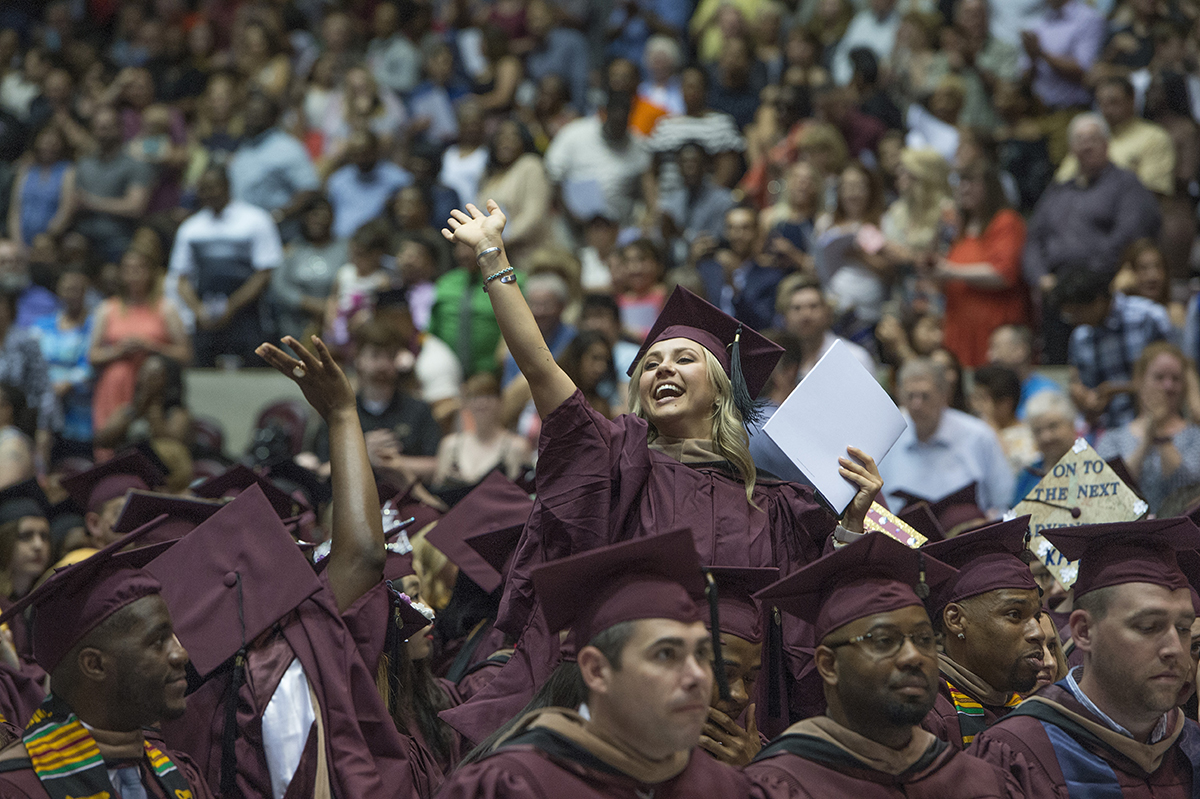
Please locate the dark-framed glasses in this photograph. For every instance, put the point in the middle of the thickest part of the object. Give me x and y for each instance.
(887, 643)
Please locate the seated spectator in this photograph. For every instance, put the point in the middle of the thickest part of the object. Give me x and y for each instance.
(481, 443)
(981, 275)
(549, 112)
(418, 265)
(270, 168)
(220, 268)
(1087, 221)
(874, 27)
(1021, 143)
(402, 436)
(464, 162)
(423, 162)
(698, 207)
(556, 50)
(516, 180)
(358, 282)
(112, 189)
(432, 101)
(462, 315)
(16, 436)
(1011, 346)
(359, 105)
(33, 301)
(1142, 147)
(736, 80)
(393, 58)
(861, 133)
(808, 317)
(43, 190)
(917, 334)
(587, 359)
(547, 295)
(995, 392)
(127, 328)
(601, 151)
(942, 449)
(65, 338)
(155, 412)
(913, 223)
(425, 358)
(300, 287)
(360, 190)
(22, 366)
(934, 125)
(981, 59)
(600, 313)
(1143, 273)
(218, 127)
(713, 130)
(262, 59)
(661, 90)
(791, 222)
(1051, 419)
(857, 281)
(1160, 447)
(1110, 331)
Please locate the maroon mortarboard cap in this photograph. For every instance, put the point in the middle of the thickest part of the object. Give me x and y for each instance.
(1121, 469)
(231, 578)
(114, 478)
(289, 476)
(1189, 564)
(956, 508)
(875, 574)
(404, 506)
(236, 479)
(497, 546)
(23, 499)
(686, 315)
(656, 577)
(919, 516)
(397, 567)
(183, 514)
(1126, 552)
(74, 600)
(495, 504)
(987, 559)
(739, 613)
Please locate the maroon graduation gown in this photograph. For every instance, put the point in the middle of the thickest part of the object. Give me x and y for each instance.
(945, 722)
(20, 696)
(19, 781)
(539, 764)
(598, 482)
(480, 675)
(1021, 745)
(804, 767)
(367, 756)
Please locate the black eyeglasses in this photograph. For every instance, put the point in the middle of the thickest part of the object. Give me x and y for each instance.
(887, 643)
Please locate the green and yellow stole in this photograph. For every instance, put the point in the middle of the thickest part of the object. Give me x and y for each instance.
(971, 718)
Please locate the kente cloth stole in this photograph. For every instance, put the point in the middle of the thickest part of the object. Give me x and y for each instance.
(67, 761)
(971, 718)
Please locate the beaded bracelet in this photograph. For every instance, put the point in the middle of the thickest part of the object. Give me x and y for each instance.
(506, 276)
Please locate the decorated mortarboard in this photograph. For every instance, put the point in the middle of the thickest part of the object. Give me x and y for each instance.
(290, 475)
(23, 499)
(880, 519)
(1081, 489)
(736, 586)
(1104, 555)
(745, 355)
(238, 478)
(496, 504)
(180, 515)
(875, 574)
(231, 578)
(115, 478)
(957, 511)
(411, 617)
(406, 506)
(74, 600)
(655, 577)
(987, 558)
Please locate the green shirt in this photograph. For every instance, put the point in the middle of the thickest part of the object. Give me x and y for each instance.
(444, 319)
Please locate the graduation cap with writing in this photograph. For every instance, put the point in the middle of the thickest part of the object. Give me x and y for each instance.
(987, 559)
(739, 614)
(1081, 489)
(23, 499)
(180, 515)
(957, 509)
(115, 478)
(238, 478)
(74, 600)
(495, 505)
(747, 357)
(1126, 552)
(875, 574)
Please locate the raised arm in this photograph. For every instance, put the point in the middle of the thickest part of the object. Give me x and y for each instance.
(548, 383)
(357, 554)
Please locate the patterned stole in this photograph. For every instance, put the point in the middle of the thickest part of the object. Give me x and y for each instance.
(971, 717)
(67, 761)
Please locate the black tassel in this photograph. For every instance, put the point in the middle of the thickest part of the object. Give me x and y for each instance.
(714, 614)
(922, 586)
(229, 735)
(750, 409)
(391, 646)
(775, 666)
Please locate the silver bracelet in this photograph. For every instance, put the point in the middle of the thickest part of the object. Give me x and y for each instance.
(488, 251)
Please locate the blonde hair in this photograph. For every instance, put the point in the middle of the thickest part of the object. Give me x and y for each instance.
(728, 432)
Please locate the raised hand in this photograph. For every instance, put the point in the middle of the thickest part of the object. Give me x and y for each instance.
(861, 470)
(320, 378)
(479, 230)
(726, 741)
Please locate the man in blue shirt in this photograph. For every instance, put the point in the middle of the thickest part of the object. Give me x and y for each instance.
(360, 190)
(1011, 346)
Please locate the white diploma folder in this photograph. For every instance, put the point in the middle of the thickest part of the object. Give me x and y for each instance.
(838, 404)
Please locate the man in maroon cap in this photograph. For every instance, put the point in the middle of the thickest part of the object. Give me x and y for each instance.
(101, 491)
(1113, 727)
(647, 662)
(104, 634)
(989, 617)
(877, 658)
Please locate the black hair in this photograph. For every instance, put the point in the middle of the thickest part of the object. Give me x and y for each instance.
(469, 604)
(999, 382)
(865, 64)
(24, 418)
(1080, 285)
(600, 302)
